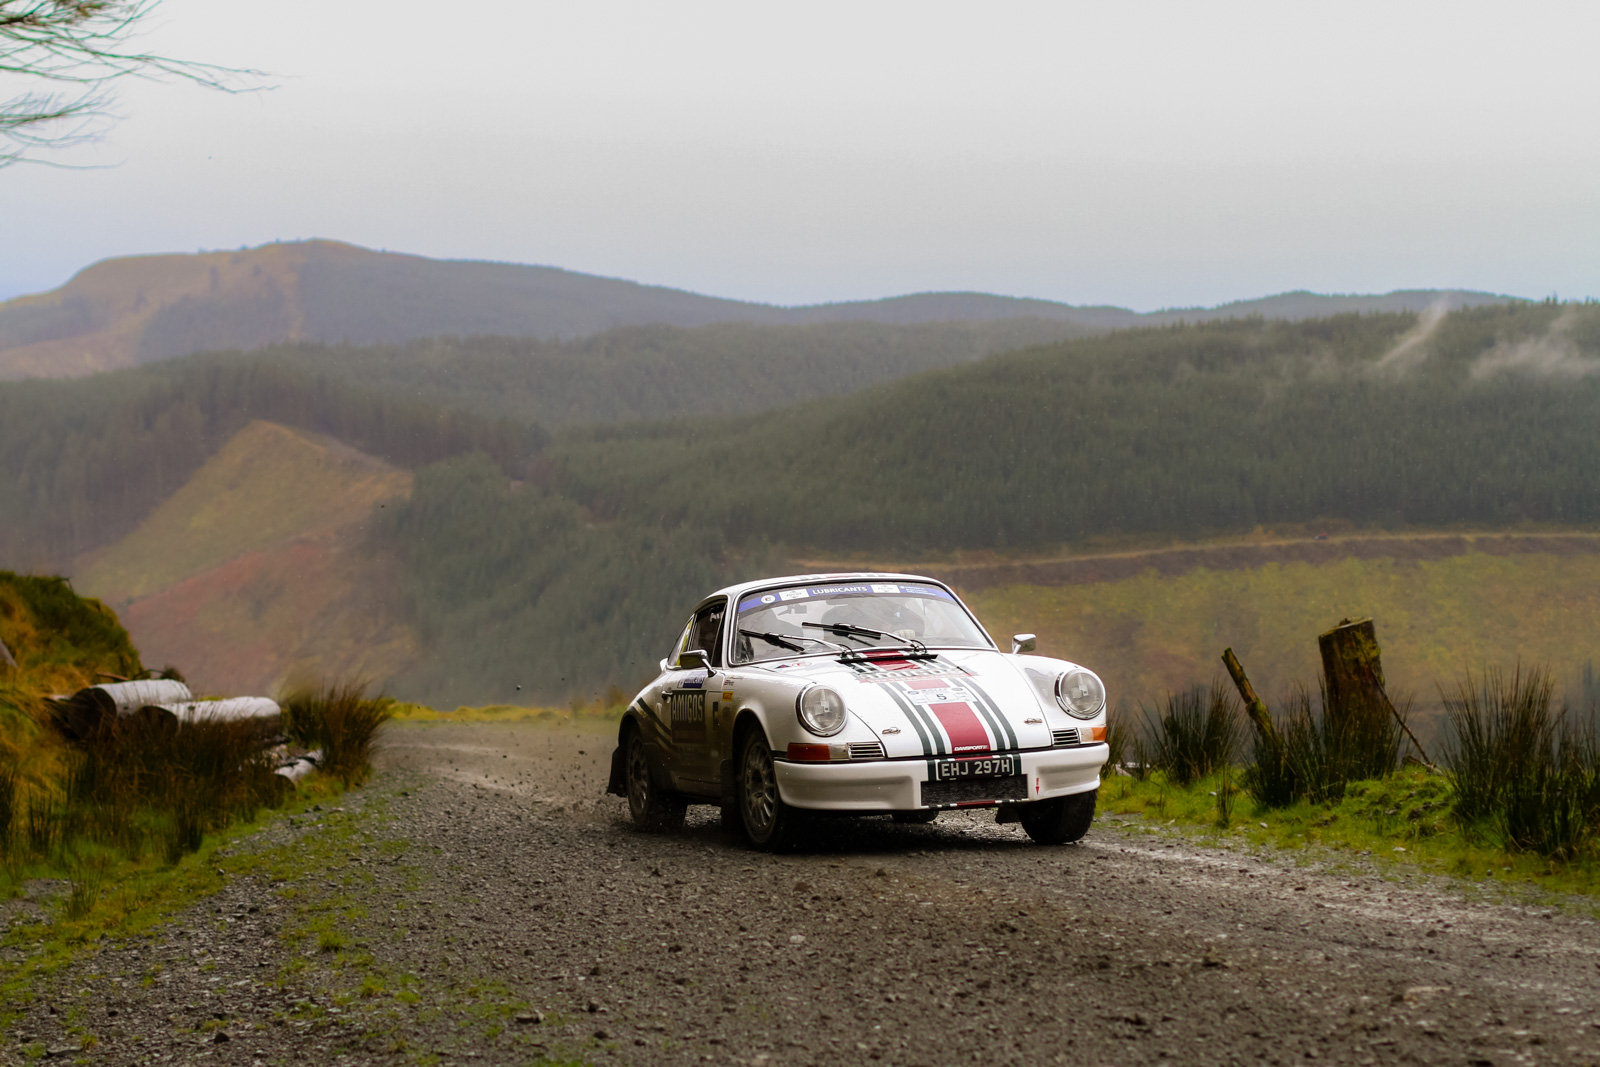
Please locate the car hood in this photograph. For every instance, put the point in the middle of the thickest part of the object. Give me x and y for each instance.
(960, 702)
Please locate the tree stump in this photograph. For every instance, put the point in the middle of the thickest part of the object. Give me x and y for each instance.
(1353, 668)
(1352, 665)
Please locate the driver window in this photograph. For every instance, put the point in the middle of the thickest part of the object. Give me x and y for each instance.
(706, 630)
(682, 644)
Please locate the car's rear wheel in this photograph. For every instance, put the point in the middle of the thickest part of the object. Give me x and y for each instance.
(1059, 820)
(653, 808)
(768, 822)
(916, 817)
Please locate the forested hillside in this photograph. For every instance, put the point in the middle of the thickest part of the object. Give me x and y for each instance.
(1488, 418)
(82, 462)
(560, 564)
(655, 372)
(1484, 417)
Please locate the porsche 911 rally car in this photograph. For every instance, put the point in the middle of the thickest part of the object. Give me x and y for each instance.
(858, 694)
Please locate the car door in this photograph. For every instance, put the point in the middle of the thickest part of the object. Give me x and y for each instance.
(691, 702)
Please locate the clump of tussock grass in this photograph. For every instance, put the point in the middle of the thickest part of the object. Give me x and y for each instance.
(1521, 768)
(1195, 734)
(1116, 740)
(341, 720)
(1319, 747)
(140, 778)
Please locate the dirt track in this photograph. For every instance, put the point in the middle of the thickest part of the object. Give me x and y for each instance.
(488, 881)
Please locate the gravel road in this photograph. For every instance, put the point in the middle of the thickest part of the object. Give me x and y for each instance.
(481, 902)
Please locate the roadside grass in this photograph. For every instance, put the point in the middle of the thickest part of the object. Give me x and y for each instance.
(136, 896)
(1402, 821)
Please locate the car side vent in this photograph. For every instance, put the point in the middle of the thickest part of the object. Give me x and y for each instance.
(1065, 737)
(866, 750)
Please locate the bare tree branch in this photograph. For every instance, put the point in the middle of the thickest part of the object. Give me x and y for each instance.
(85, 44)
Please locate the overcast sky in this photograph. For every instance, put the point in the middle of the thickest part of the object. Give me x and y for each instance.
(1140, 154)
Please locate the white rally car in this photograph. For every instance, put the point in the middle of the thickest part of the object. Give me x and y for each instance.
(858, 694)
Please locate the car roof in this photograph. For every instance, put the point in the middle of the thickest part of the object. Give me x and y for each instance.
(736, 591)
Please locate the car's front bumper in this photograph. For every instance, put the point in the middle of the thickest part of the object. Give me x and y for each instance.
(896, 785)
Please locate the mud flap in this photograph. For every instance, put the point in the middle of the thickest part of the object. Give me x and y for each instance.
(1008, 813)
(618, 785)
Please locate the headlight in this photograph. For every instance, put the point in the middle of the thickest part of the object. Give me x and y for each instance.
(1081, 693)
(821, 710)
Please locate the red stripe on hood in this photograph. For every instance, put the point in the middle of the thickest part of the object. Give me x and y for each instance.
(961, 723)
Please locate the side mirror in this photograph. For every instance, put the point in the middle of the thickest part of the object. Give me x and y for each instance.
(1023, 643)
(694, 659)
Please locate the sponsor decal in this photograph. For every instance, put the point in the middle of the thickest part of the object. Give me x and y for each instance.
(694, 680)
(859, 589)
(685, 709)
(874, 668)
(727, 694)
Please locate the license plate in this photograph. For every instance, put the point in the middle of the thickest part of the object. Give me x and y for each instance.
(980, 767)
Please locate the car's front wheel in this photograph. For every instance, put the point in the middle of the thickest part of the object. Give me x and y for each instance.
(768, 822)
(653, 808)
(1059, 820)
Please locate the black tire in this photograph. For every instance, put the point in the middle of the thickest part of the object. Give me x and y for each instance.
(768, 823)
(915, 818)
(654, 809)
(1059, 820)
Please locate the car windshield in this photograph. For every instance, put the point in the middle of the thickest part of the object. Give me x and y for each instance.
(778, 623)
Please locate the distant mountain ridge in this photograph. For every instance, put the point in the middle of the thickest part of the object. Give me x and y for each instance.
(142, 309)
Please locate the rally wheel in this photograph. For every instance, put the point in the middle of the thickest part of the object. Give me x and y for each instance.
(1059, 820)
(769, 824)
(653, 808)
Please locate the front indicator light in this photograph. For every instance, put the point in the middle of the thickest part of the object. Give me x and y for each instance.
(1097, 733)
(802, 753)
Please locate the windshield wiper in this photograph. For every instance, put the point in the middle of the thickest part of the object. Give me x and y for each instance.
(845, 629)
(787, 640)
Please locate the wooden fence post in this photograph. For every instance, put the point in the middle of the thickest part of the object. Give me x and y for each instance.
(1353, 667)
(1254, 706)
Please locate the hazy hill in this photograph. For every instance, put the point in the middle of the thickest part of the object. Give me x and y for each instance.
(141, 309)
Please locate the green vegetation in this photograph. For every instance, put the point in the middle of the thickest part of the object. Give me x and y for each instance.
(1522, 771)
(121, 814)
(341, 720)
(1317, 750)
(1519, 791)
(1192, 736)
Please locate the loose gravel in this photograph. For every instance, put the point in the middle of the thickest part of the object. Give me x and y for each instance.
(480, 902)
